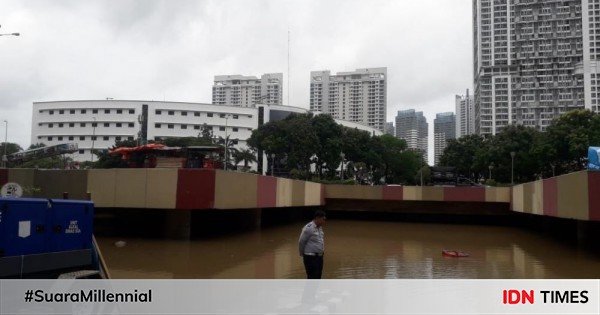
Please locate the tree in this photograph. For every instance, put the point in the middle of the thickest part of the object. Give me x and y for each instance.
(329, 145)
(53, 162)
(230, 150)
(410, 162)
(302, 140)
(206, 135)
(423, 176)
(468, 155)
(270, 138)
(292, 139)
(521, 140)
(244, 155)
(399, 164)
(10, 148)
(302, 143)
(561, 149)
(567, 140)
(105, 160)
(360, 146)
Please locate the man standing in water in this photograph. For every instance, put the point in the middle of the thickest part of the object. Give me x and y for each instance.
(311, 245)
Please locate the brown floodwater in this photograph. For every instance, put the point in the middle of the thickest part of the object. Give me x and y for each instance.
(356, 250)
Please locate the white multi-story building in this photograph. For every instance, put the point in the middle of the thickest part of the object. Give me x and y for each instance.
(98, 124)
(444, 129)
(534, 60)
(465, 115)
(247, 91)
(359, 96)
(413, 128)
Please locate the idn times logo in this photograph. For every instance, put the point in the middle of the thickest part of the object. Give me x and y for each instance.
(547, 297)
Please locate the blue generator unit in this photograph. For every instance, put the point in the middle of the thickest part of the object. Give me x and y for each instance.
(41, 235)
(23, 226)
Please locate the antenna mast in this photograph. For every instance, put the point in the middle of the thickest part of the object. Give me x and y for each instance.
(288, 66)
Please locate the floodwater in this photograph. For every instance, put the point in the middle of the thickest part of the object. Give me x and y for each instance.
(356, 250)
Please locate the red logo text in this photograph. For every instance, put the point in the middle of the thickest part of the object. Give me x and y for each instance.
(516, 297)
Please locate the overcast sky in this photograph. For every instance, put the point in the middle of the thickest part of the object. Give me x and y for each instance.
(171, 50)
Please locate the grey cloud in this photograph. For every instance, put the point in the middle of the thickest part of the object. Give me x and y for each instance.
(160, 49)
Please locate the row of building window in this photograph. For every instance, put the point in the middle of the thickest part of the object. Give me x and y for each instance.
(96, 138)
(82, 138)
(94, 111)
(196, 127)
(131, 125)
(72, 125)
(132, 111)
(197, 114)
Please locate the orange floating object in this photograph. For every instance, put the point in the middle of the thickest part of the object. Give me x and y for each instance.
(454, 253)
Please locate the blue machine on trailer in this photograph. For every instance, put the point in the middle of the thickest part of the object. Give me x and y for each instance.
(594, 158)
(45, 237)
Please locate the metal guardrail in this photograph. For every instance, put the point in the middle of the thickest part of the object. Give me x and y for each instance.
(99, 260)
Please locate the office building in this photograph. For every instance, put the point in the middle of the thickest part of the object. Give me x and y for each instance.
(413, 128)
(359, 96)
(444, 129)
(465, 115)
(390, 129)
(247, 91)
(534, 60)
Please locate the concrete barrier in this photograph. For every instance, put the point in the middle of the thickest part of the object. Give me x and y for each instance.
(570, 196)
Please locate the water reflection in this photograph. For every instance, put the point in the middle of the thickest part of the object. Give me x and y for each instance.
(358, 250)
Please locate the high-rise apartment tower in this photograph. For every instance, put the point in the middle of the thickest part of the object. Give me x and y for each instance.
(465, 115)
(247, 91)
(444, 129)
(534, 60)
(359, 96)
(413, 128)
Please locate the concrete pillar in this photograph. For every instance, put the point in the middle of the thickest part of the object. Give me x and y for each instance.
(178, 224)
(249, 218)
(588, 234)
(257, 217)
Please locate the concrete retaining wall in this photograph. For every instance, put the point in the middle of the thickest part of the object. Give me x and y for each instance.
(571, 196)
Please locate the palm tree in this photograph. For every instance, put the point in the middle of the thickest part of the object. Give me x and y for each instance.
(230, 150)
(246, 155)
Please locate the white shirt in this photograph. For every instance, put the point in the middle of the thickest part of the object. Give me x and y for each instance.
(312, 239)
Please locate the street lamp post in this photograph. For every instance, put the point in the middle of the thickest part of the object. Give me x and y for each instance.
(4, 157)
(226, 140)
(93, 138)
(422, 167)
(360, 177)
(342, 155)
(491, 167)
(272, 164)
(512, 167)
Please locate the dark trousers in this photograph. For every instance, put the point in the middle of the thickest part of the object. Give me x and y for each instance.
(313, 266)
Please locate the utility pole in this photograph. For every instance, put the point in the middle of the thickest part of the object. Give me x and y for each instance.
(93, 138)
(4, 157)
